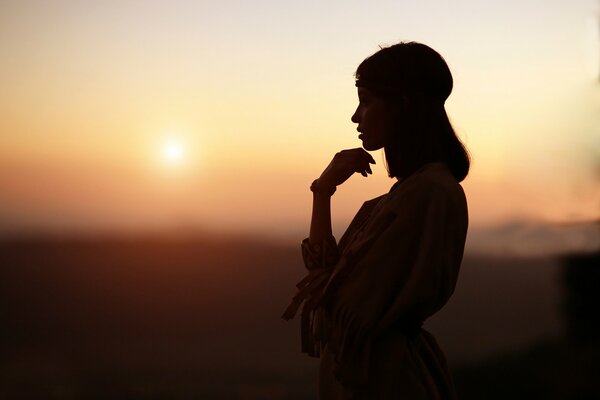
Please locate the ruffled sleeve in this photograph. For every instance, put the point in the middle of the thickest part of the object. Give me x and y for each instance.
(320, 259)
(320, 255)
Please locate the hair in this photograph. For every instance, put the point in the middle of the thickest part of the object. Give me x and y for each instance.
(415, 81)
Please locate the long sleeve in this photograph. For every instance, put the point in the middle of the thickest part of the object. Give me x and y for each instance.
(320, 255)
(319, 259)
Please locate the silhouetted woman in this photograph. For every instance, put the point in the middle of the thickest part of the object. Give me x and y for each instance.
(366, 297)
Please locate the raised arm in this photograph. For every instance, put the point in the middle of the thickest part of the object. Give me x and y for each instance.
(344, 164)
(319, 250)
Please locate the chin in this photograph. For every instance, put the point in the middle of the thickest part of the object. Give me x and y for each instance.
(371, 146)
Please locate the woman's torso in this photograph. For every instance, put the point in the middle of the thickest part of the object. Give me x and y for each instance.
(400, 358)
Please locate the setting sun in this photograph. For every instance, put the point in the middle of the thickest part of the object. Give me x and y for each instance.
(173, 151)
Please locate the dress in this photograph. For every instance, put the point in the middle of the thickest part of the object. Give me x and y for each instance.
(365, 299)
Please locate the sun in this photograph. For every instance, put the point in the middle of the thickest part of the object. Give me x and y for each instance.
(176, 152)
(173, 151)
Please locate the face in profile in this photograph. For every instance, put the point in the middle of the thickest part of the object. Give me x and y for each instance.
(372, 118)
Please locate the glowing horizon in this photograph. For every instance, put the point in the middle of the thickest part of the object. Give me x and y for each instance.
(255, 105)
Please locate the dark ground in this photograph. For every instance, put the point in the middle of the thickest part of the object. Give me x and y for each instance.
(195, 317)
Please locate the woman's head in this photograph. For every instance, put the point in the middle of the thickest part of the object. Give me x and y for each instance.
(404, 86)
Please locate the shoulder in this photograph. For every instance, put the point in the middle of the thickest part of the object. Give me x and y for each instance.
(433, 183)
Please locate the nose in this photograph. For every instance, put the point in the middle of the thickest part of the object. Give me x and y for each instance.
(355, 117)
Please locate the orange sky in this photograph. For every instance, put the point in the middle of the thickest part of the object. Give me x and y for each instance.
(257, 98)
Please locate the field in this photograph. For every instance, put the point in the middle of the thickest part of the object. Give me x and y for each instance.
(172, 316)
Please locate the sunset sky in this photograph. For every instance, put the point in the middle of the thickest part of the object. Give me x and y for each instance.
(218, 115)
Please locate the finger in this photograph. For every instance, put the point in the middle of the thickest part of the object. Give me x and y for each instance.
(365, 166)
(370, 158)
(366, 156)
(364, 169)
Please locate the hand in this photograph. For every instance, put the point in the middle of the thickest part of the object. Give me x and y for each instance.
(344, 164)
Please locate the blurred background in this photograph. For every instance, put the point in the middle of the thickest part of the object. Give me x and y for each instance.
(155, 159)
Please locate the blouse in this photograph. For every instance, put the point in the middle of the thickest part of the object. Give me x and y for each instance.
(365, 298)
